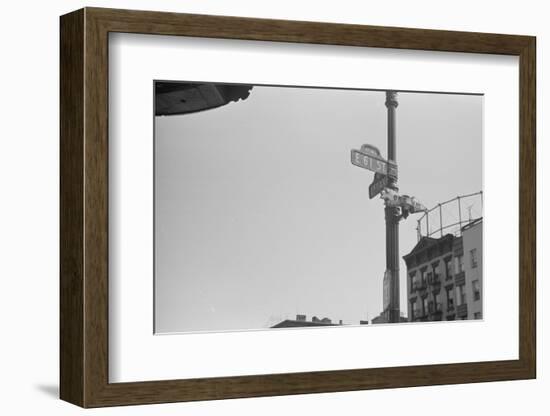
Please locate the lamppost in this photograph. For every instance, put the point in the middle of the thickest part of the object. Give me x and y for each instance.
(396, 207)
(392, 215)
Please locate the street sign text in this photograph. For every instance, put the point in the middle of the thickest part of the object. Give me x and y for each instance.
(374, 164)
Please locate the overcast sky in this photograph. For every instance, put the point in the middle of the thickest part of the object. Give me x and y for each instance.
(260, 214)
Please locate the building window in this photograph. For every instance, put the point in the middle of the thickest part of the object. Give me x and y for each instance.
(425, 305)
(413, 281)
(473, 258)
(423, 276)
(437, 299)
(450, 299)
(460, 295)
(459, 264)
(413, 309)
(477, 315)
(430, 277)
(476, 289)
(448, 269)
(436, 271)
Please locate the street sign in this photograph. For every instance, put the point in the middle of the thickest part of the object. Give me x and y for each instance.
(379, 183)
(371, 150)
(373, 163)
(369, 162)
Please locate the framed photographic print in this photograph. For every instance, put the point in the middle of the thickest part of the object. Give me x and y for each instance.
(255, 207)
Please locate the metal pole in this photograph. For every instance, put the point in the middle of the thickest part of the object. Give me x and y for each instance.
(440, 220)
(392, 216)
(427, 224)
(459, 215)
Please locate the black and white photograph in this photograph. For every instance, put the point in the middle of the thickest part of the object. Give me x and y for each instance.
(293, 206)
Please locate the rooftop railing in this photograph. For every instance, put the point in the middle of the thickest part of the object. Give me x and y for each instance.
(450, 216)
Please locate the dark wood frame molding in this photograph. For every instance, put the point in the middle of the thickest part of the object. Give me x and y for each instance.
(84, 211)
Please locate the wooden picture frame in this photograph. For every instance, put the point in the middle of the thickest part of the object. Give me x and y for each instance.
(84, 207)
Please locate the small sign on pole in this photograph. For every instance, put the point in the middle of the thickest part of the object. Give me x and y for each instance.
(386, 289)
(378, 185)
(392, 170)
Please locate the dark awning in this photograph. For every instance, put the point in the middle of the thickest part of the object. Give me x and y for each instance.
(172, 98)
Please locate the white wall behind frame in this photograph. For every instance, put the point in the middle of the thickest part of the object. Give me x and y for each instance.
(29, 179)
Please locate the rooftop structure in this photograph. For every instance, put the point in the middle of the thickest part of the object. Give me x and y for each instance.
(301, 321)
(451, 216)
